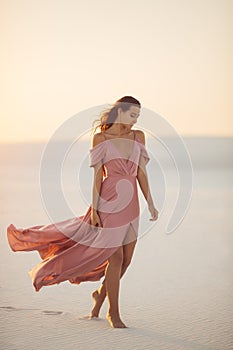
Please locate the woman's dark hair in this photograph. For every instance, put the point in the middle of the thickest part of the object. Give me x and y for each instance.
(108, 116)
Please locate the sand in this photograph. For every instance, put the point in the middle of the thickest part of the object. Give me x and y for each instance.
(176, 294)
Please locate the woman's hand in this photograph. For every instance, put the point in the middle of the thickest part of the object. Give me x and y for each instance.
(154, 212)
(95, 219)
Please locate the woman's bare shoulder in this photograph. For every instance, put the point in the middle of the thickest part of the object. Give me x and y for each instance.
(140, 136)
(97, 139)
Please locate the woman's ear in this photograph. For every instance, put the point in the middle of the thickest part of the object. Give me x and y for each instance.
(119, 110)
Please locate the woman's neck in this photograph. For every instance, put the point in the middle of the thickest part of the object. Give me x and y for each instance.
(119, 129)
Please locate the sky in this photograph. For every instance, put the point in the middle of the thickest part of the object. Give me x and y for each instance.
(61, 57)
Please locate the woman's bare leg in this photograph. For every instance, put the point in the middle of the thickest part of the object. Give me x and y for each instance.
(99, 295)
(112, 282)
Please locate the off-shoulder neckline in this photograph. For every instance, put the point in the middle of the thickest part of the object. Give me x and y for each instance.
(104, 143)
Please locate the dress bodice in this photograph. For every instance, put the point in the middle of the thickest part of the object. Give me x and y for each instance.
(108, 154)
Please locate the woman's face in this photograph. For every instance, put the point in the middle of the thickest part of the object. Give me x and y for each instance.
(129, 117)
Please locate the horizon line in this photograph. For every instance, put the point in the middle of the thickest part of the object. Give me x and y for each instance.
(89, 138)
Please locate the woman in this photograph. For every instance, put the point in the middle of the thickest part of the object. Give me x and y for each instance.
(102, 241)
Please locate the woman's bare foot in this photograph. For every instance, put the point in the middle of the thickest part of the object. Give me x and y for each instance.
(97, 304)
(115, 321)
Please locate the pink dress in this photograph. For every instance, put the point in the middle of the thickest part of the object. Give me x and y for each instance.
(73, 249)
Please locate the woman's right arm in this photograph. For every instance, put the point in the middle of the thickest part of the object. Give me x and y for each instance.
(97, 182)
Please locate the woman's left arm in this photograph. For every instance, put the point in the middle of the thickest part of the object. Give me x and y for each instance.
(142, 178)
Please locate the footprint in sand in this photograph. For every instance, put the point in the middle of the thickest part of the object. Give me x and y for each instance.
(48, 312)
(9, 308)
